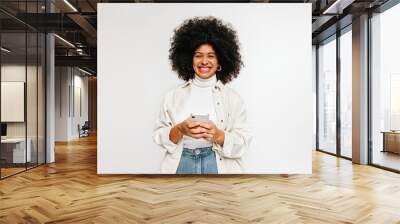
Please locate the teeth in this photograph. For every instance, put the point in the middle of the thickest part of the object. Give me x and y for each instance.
(204, 69)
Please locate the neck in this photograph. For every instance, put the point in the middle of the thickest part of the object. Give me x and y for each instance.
(200, 82)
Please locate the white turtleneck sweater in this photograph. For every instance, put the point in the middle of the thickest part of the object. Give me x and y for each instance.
(200, 102)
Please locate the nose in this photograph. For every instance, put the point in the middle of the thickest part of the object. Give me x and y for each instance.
(204, 60)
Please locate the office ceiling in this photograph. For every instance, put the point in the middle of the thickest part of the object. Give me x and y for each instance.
(76, 21)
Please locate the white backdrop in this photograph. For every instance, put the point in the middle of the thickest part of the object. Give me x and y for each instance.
(134, 73)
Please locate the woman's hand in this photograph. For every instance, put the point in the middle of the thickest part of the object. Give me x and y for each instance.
(191, 128)
(187, 127)
(212, 133)
(195, 129)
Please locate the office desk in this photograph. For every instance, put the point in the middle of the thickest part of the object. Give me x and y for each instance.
(391, 141)
(13, 150)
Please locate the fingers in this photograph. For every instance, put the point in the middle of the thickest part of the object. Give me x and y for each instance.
(201, 133)
(193, 124)
(208, 136)
(197, 130)
(207, 125)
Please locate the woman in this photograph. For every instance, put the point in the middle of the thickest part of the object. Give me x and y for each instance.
(205, 53)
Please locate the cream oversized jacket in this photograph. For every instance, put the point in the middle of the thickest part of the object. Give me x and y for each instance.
(231, 117)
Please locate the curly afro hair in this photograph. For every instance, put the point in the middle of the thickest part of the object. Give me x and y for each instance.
(207, 30)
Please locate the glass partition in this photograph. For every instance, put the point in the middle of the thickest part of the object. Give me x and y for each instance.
(13, 109)
(32, 95)
(327, 96)
(385, 89)
(22, 77)
(41, 97)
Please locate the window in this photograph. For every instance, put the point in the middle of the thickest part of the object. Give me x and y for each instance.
(385, 89)
(327, 96)
(346, 93)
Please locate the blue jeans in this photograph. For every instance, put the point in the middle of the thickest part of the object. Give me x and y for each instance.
(197, 161)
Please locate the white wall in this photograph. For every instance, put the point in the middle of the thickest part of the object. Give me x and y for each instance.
(134, 73)
(68, 81)
(61, 103)
(314, 89)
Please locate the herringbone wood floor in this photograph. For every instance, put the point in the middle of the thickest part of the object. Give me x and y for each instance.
(70, 191)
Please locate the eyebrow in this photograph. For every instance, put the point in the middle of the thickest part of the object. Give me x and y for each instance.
(198, 52)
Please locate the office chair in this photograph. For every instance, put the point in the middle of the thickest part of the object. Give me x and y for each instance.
(84, 130)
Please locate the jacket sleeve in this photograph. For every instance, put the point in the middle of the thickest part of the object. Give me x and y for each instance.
(162, 129)
(237, 135)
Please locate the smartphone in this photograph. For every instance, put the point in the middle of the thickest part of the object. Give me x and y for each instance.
(200, 118)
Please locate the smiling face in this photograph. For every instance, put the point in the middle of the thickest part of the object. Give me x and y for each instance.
(205, 61)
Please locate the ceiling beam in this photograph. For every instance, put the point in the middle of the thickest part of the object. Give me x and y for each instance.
(84, 61)
(86, 26)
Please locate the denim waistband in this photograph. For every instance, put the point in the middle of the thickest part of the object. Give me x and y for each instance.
(198, 151)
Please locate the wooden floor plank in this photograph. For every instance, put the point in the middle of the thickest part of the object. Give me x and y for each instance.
(70, 191)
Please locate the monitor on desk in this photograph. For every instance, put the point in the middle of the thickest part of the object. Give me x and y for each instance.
(3, 130)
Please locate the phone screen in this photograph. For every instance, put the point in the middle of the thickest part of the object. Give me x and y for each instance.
(201, 118)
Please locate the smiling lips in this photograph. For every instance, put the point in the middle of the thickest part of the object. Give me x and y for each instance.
(204, 69)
